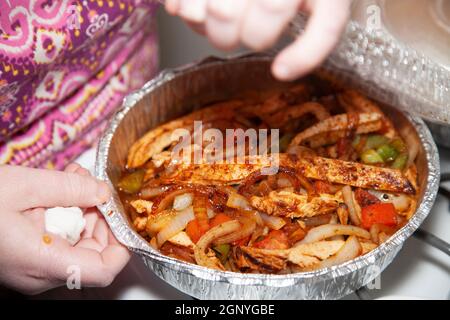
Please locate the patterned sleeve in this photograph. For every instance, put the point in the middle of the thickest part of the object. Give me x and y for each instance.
(64, 67)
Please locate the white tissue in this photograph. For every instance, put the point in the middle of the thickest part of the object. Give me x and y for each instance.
(68, 223)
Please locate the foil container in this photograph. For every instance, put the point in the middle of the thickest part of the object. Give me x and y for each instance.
(179, 91)
(393, 72)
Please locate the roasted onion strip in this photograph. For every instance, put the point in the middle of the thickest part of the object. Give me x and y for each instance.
(330, 230)
(221, 230)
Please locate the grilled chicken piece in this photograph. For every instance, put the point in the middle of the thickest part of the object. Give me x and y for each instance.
(158, 139)
(309, 254)
(261, 259)
(292, 205)
(279, 119)
(367, 246)
(317, 168)
(303, 256)
(182, 239)
(142, 206)
(220, 173)
(352, 100)
(355, 174)
(332, 129)
(280, 99)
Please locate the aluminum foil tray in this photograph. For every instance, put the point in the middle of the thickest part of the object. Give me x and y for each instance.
(179, 91)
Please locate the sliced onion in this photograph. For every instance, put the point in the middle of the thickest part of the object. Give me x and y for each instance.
(317, 220)
(413, 149)
(330, 230)
(258, 219)
(349, 201)
(151, 192)
(377, 229)
(219, 231)
(272, 222)
(334, 219)
(163, 203)
(200, 212)
(177, 224)
(284, 183)
(342, 213)
(247, 228)
(156, 223)
(236, 201)
(210, 212)
(183, 201)
(350, 250)
(401, 202)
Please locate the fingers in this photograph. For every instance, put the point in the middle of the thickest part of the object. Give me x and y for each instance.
(193, 11)
(265, 21)
(97, 267)
(48, 188)
(255, 23)
(72, 167)
(172, 6)
(224, 22)
(76, 168)
(91, 216)
(328, 19)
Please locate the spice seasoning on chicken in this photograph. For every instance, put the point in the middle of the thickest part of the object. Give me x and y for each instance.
(320, 207)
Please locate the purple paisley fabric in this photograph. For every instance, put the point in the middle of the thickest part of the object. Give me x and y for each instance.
(65, 67)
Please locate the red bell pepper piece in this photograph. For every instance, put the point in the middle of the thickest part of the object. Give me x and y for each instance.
(276, 239)
(380, 213)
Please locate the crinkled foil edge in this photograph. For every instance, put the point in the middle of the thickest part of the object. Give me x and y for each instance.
(421, 86)
(204, 283)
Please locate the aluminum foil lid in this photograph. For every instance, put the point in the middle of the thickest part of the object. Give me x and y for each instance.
(410, 80)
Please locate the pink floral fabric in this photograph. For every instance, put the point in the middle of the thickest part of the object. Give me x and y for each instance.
(65, 67)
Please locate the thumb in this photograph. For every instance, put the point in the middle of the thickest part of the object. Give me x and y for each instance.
(34, 188)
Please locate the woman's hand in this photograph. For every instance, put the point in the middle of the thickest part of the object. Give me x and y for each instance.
(32, 261)
(259, 23)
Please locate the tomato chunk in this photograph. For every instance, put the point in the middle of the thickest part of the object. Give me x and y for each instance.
(276, 239)
(219, 219)
(380, 213)
(241, 242)
(193, 230)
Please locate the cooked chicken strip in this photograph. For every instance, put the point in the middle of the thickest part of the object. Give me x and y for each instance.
(332, 129)
(353, 100)
(304, 256)
(355, 174)
(289, 204)
(156, 140)
(317, 168)
(279, 119)
(310, 254)
(267, 259)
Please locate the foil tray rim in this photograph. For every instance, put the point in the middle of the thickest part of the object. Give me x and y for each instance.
(135, 243)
